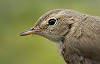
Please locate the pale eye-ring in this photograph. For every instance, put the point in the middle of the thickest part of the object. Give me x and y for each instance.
(52, 21)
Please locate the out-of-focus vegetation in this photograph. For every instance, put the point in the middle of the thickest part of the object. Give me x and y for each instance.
(19, 15)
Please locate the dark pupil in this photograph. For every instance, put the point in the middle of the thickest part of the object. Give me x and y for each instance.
(52, 21)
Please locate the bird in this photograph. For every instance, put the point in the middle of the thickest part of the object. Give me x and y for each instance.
(77, 35)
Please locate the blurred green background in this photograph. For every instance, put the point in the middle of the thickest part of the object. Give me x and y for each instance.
(19, 15)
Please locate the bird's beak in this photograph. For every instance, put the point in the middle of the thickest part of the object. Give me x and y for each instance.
(29, 32)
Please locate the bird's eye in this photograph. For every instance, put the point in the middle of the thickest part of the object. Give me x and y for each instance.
(51, 21)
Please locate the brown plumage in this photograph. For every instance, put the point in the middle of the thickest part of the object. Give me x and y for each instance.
(77, 35)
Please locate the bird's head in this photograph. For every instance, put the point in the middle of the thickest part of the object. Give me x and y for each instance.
(53, 25)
